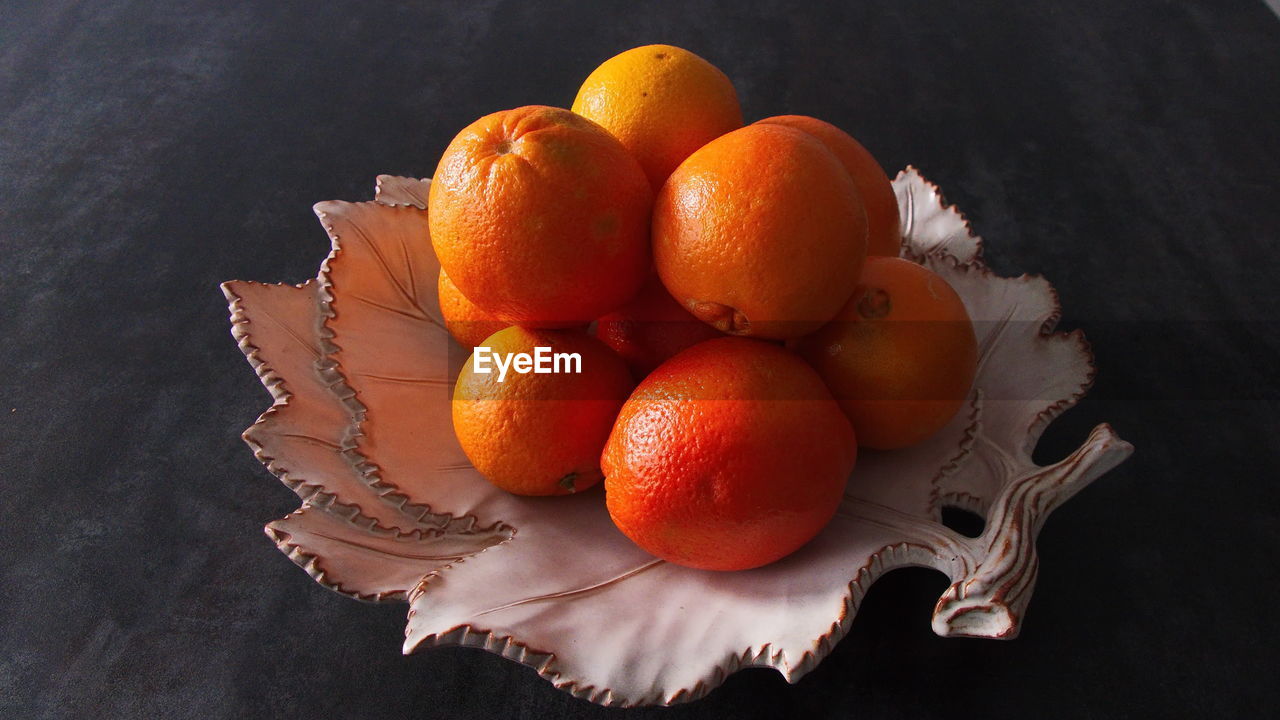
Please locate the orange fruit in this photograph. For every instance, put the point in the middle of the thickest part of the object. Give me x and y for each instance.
(651, 328)
(729, 456)
(760, 232)
(900, 357)
(466, 322)
(884, 232)
(540, 217)
(662, 102)
(536, 433)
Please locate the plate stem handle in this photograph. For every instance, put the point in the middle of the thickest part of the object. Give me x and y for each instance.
(990, 600)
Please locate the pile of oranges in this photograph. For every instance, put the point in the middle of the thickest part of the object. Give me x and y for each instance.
(732, 294)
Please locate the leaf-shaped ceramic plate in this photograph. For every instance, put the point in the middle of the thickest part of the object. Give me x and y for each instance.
(361, 371)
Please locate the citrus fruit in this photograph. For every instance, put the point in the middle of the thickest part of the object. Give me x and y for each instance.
(760, 232)
(900, 357)
(466, 322)
(539, 433)
(651, 328)
(540, 217)
(728, 456)
(884, 233)
(662, 102)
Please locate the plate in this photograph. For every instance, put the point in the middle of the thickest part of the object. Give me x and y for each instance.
(361, 370)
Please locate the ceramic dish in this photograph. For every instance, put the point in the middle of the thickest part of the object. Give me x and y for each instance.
(361, 369)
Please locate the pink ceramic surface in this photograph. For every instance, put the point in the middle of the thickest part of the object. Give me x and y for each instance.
(361, 371)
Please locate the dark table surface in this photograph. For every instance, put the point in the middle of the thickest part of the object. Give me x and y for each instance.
(1128, 151)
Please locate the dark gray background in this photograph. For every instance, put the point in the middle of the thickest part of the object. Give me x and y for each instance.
(1128, 151)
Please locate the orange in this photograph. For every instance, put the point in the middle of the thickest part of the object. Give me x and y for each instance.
(662, 102)
(884, 234)
(760, 232)
(729, 456)
(900, 357)
(540, 217)
(468, 324)
(538, 433)
(651, 328)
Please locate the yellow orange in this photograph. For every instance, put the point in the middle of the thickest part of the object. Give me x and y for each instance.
(662, 102)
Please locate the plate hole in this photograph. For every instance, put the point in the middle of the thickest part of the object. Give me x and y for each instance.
(965, 522)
